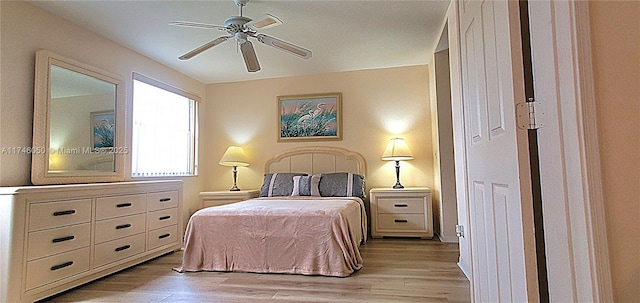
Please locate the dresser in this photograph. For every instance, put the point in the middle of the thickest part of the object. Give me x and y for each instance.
(403, 212)
(222, 197)
(56, 237)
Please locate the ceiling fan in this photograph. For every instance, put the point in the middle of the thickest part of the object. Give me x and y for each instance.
(241, 28)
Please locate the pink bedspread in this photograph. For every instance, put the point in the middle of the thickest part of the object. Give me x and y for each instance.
(295, 235)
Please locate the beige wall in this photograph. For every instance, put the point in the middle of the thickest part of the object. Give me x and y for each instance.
(615, 33)
(26, 29)
(445, 206)
(376, 106)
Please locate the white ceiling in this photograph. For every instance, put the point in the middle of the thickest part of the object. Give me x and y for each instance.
(343, 35)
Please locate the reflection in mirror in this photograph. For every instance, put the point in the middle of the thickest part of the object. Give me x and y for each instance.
(78, 123)
(82, 128)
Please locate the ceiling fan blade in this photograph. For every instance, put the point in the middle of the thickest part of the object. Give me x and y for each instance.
(203, 48)
(250, 58)
(197, 25)
(284, 46)
(267, 22)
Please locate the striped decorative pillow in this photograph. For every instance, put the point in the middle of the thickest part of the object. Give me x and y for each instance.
(278, 184)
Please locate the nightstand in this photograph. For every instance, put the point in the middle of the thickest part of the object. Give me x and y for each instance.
(215, 198)
(401, 212)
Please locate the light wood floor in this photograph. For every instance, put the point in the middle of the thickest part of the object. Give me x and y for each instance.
(395, 270)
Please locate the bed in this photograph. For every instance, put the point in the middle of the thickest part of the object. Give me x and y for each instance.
(310, 219)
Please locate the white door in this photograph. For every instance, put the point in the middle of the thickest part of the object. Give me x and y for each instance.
(503, 261)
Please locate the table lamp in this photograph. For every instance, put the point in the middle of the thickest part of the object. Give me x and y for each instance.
(397, 150)
(234, 156)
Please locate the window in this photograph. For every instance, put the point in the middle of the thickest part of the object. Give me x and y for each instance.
(164, 135)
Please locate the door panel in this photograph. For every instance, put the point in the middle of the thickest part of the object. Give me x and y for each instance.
(497, 155)
(503, 249)
(471, 88)
(491, 67)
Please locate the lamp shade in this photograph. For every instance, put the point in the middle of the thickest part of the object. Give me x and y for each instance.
(234, 156)
(397, 150)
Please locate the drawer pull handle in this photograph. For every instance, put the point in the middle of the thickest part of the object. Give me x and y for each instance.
(163, 236)
(58, 240)
(400, 205)
(64, 212)
(60, 266)
(121, 205)
(165, 199)
(164, 218)
(123, 226)
(123, 247)
(400, 221)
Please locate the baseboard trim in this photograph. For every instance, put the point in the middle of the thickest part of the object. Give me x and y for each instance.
(447, 239)
(464, 267)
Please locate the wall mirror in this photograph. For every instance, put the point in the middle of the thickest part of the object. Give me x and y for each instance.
(78, 123)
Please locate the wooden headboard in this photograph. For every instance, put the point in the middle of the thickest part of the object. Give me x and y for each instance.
(317, 160)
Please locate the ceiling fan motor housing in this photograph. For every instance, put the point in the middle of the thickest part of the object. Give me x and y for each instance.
(235, 24)
(241, 2)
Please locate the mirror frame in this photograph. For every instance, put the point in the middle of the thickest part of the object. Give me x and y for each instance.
(40, 173)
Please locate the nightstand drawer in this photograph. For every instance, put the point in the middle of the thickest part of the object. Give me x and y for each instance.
(61, 213)
(401, 222)
(112, 229)
(58, 240)
(110, 207)
(162, 200)
(401, 212)
(401, 205)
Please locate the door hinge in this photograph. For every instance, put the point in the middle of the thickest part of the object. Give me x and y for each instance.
(530, 115)
(460, 231)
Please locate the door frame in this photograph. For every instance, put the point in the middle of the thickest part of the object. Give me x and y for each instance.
(572, 201)
(573, 205)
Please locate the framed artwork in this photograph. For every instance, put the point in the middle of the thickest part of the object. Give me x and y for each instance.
(310, 117)
(103, 129)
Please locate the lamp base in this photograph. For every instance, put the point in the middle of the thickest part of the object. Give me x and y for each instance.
(398, 185)
(235, 177)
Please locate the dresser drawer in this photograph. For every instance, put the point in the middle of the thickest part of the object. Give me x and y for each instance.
(401, 222)
(404, 205)
(60, 213)
(117, 206)
(163, 236)
(162, 218)
(163, 200)
(115, 250)
(57, 267)
(58, 240)
(111, 229)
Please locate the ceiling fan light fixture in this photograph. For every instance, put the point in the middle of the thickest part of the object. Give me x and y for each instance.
(241, 37)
